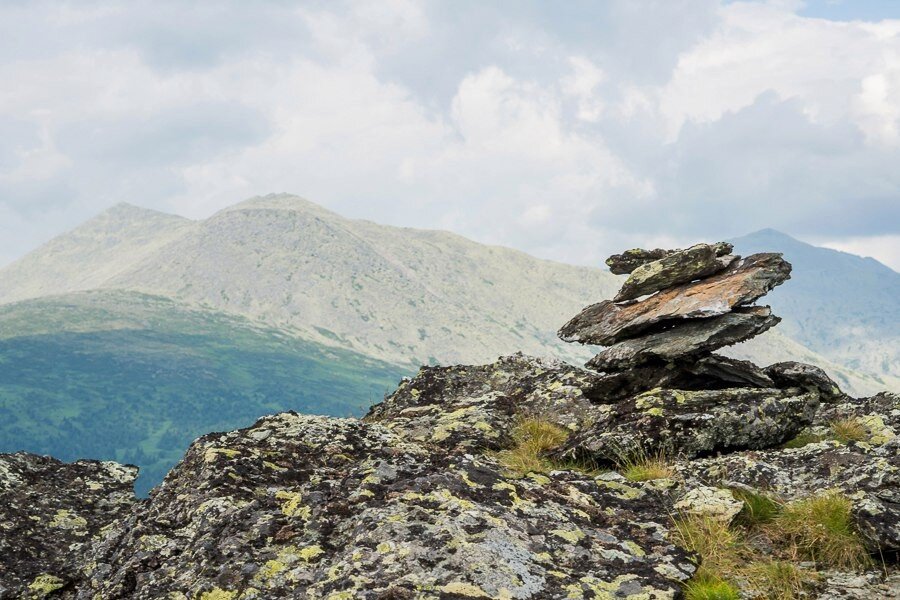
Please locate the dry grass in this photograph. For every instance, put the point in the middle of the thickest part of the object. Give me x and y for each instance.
(532, 438)
(821, 529)
(849, 430)
(761, 549)
(778, 579)
(640, 466)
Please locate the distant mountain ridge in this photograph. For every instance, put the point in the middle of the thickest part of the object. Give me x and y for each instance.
(402, 295)
(842, 306)
(408, 296)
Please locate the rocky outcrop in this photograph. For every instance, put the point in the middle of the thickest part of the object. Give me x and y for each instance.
(50, 514)
(425, 497)
(680, 266)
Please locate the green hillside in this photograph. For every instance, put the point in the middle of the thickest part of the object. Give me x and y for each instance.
(135, 378)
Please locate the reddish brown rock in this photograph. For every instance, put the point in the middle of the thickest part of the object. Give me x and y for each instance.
(607, 323)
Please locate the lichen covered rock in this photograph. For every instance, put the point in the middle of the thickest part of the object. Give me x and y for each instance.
(311, 507)
(687, 424)
(50, 513)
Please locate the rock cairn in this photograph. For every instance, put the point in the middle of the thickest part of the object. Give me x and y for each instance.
(666, 388)
(678, 306)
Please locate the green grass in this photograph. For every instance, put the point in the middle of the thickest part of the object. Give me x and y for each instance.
(759, 509)
(709, 587)
(821, 529)
(762, 549)
(848, 430)
(135, 378)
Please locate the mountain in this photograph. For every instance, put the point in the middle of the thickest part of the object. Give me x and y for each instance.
(842, 306)
(401, 295)
(136, 378)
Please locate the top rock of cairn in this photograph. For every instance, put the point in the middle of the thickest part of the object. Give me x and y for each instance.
(698, 300)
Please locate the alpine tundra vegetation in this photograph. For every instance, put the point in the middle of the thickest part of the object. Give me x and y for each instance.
(663, 470)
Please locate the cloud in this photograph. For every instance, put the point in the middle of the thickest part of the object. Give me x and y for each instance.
(567, 132)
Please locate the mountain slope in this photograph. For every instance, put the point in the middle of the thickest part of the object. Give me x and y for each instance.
(92, 254)
(842, 306)
(117, 375)
(401, 295)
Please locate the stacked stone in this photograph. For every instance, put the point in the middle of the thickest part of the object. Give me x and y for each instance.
(678, 306)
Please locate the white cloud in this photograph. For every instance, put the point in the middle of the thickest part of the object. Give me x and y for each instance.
(515, 129)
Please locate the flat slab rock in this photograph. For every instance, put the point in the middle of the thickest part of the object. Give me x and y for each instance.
(688, 338)
(50, 513)
(628, 261)
(687, 424)
(682, 266)
(313, 507)
(607, 322)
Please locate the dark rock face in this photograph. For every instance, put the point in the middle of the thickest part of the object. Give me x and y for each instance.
(698, 336)
(50, 513)
(678, 267)
(607, 322)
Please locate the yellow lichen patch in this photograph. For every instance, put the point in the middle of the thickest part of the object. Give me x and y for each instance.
(270, 569)
(622, 491)
(46, 584)
(64, 519)
(573, 536)
(310, 553)
(879, 433)
(218, 594)
(292, 505)
(211, 453)
(463, 589)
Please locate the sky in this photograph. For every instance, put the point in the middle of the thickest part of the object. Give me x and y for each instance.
(570, 130)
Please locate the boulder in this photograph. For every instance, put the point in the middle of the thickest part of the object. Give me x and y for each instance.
(675, 268)
(607, 322)
(718, 369)
(807, 376)
(687, 424)
(312, 507)
(50, 513)
(691, 338)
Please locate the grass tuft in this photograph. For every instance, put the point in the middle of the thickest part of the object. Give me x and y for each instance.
(804, 438)
(706, 586)
(821, 529)
(531, 438)
(640, 466)
(849, 430)
(759, 509)
(781, 580)
(760, 549)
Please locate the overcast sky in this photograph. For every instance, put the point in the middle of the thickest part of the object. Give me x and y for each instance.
(566, 129)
